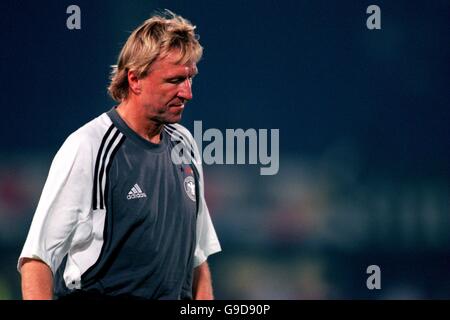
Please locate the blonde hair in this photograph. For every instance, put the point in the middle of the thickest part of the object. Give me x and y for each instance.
(155, 38)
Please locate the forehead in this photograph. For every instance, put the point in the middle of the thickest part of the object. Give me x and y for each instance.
(170, 64)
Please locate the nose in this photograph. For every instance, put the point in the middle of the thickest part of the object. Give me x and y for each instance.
(185, 90)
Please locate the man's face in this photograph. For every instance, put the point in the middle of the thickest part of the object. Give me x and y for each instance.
(167, 88)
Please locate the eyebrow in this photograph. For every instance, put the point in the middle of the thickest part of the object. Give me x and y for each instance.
(181, 74)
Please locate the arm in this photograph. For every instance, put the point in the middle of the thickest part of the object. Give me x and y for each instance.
(65, 201)
(37, 280)
(202, 283)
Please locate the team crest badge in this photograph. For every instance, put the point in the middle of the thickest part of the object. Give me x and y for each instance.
(189, 187)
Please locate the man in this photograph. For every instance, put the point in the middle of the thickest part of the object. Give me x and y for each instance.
(117, 217)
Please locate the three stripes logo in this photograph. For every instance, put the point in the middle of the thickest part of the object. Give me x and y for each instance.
(111, 142)
(136, 192)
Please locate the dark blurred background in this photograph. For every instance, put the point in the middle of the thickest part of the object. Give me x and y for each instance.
(364, 135)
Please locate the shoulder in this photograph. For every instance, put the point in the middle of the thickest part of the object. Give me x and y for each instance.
(86, 141)
(178, 132)
(92, 133)
(180, 129)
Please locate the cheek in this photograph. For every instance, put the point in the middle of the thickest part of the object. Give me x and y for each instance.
(161, 95)
(169, 94)
(156, 96)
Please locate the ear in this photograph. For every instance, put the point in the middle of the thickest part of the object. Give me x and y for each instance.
(134, 83)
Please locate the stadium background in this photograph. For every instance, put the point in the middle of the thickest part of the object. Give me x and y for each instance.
(364, 135)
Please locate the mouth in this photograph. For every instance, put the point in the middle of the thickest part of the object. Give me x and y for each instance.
(176, 109)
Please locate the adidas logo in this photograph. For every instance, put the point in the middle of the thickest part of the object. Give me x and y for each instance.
(136, 192)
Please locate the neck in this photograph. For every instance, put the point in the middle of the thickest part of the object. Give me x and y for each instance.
(134, 116)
